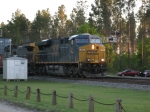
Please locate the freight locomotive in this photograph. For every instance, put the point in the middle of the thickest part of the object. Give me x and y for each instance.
(75, 56)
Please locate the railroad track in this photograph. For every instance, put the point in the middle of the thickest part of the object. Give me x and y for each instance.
(113, 79)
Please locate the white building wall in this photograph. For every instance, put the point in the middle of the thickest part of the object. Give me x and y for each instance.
(15, 68)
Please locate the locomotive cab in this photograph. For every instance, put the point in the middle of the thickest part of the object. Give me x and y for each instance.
(90, 54)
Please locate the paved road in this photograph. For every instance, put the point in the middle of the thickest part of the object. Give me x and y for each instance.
(7, 107)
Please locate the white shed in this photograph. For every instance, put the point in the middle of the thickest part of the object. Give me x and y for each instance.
(15, 68)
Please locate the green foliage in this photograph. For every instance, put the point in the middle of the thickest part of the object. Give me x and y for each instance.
(85, 28)
(40, 28)
(17, 28)
(62, 18)
(100, 16)
(80, 12)
(145, 51)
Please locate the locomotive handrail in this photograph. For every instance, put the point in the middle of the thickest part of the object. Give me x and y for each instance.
(40, 54)
(46, 54)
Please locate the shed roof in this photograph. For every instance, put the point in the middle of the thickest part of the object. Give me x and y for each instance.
(15, 58)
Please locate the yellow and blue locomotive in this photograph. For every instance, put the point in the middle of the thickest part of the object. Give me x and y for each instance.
(76, 56)
(79, 55)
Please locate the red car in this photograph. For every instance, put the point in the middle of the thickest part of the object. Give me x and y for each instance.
(128, 72)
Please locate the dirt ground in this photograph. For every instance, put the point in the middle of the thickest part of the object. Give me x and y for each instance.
(6, 106)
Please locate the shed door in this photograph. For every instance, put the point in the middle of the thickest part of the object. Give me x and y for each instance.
(17, 69)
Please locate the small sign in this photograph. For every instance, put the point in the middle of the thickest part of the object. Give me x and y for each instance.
(112, 39)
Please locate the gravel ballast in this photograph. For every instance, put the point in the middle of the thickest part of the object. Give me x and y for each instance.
(95, 83)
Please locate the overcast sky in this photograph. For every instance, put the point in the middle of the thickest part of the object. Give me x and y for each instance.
(30, 7)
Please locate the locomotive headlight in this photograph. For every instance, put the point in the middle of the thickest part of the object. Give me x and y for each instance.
(92, 46)
(102, 59)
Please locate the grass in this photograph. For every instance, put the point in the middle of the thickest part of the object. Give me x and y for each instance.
(132, 100)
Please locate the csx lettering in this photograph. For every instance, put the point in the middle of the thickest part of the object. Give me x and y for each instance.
(92, 52)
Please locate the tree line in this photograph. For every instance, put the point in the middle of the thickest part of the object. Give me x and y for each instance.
(106, 18)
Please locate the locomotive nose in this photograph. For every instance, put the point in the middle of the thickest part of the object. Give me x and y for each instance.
(92, 53)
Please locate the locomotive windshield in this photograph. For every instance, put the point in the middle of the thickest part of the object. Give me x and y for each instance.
(82, 40)
(95, 41)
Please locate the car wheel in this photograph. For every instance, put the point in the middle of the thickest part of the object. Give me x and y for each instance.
(145, 75)
(135, 75)
(122, 74)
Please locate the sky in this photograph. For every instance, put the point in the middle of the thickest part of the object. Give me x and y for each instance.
(30, 7)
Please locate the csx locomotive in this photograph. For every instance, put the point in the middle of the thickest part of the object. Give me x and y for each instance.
(79, 55)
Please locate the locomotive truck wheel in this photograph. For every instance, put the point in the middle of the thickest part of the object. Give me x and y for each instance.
(66, 71)
(44, 72)
(40, 71)
(36, 71)
(82, 76)
(71, 71)
(77, 76)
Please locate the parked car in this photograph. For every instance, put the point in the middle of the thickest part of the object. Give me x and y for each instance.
(128, 72)
(145, 73)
